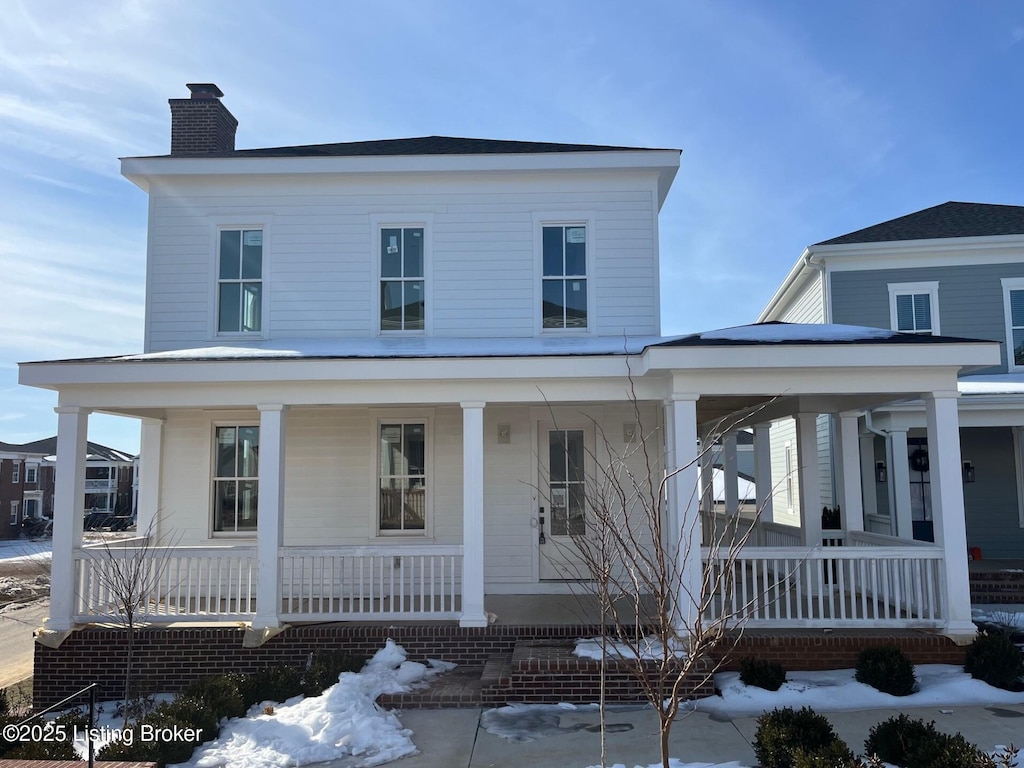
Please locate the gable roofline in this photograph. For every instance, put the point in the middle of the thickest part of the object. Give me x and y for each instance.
(48, 447)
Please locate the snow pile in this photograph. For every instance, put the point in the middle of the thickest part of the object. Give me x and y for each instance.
(650, 648)
(836, 691)
(1010, 615)
(781, 333)
(343, 722)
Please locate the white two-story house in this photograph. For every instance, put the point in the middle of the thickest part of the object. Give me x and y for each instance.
(955, 269)
(377, 376)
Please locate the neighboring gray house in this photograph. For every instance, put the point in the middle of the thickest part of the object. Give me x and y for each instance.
(955, 269)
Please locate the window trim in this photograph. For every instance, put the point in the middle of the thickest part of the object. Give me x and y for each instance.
(217, 225)
(789, 484)
(543, 219)
(930, 287)
(16, 472)
(235, 534)
(381, 221)
(1010, 284)
(399, 416)
(14, 512)
(32, 474)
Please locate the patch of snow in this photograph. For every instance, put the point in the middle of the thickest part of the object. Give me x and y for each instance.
(1005, 615)
(528, 722)
(783, 332)
(24, 550)
(991, 384)
(649, 648)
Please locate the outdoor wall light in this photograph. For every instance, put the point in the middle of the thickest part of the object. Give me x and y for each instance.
(505, 433)
(880, 474)
(968, 472)
(628, 431)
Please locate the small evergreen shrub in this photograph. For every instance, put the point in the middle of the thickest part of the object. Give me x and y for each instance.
(278, 683)
(221, 694)
(769, 675)
(782, 733)
(887, 669)
(995, 659)
(904, 741)
(324, 668)
(835, 755)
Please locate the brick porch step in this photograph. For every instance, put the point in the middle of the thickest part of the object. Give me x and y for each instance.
(997, 586)
(449, 690)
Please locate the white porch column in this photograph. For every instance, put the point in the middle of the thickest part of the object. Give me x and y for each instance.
(899, 476)
(948, 508)
(763, 472)
(270, 515)
(150, 458)
(869, 496)
(683, 513)
(707, 474)
(850, 498)
(68, 513)
(730, 473)
(473, 613)
(809, 476)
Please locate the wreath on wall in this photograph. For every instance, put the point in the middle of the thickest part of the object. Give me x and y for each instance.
(919, 460)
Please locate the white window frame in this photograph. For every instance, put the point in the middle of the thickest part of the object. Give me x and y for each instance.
(217, 225)
(15, 471)
(585, 219)
(790, 489)
(398, 416)
(214, 477)
(36, 508)
(931, 288)
(14, 513)
(382, 221)
(1010, 284)
(31, 473)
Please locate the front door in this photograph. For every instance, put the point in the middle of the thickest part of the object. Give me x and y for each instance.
(565, 465)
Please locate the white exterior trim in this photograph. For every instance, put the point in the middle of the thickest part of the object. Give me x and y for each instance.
(564, 218)
(1010, 284)
(398, 220)
(402, 415)
(262, 221)
(913, 289)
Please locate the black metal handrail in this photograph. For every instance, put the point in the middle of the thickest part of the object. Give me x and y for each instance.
(91, 689)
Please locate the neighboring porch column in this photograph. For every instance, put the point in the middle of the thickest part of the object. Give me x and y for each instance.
(473, 613)
(150, 458)
(809, 476)
(948, 509)
(763, 472)
(683, 515)
(270, 515)
(707, 474)
(730, 473)
(848, 443)
(68, 513)
(869, 496)
(899, 476)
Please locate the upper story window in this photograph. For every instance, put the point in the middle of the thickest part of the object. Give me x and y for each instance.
(1013, 312)
(16, 472)
(240, 281)
(564, 276)
(402, 283)
(31, 474)
(236, 478)
(914, 307)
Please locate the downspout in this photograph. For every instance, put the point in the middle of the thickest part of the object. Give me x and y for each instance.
(890, 485)
(826, 312)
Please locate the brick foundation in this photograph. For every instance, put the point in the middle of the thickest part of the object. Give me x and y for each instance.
(997, 586)
(167, 659)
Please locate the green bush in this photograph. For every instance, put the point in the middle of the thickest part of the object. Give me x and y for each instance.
(278, 683)
(38, 749)
(222, 694)
(835, 755)
(915, 744)
(769, 675)
(324, 668)
(886, 668)
(782, 733)
(186, 714)
(996, 659)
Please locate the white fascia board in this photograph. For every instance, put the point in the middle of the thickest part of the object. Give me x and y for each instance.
(788, 286)
(936, 252)
(814, 381)
(140, 170)
(803, 356)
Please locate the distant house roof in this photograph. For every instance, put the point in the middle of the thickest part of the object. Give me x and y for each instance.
(942, 221)
(48, 447)
(421, 145)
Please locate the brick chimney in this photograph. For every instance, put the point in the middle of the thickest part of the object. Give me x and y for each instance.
(201, 123)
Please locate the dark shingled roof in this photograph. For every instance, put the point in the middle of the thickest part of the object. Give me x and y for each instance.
(48, 447)
(946, 220)
(422, 145)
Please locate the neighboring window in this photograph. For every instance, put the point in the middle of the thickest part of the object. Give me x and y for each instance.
(236, 479)
(564, 277)
(789, 478)
(403, 477)
(914, 307)
(31, 508)
(14, 513)
(15, 472)
(240, 281)
(31, 474)
(402, 288)
(1013, 308)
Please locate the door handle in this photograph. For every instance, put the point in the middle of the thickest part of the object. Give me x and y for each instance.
(540, 525)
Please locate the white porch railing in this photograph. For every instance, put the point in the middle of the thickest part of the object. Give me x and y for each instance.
(895, 586)
(726, 529)
(171, 583)
(371, 583)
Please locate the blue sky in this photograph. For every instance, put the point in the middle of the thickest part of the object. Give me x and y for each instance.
(798, 121)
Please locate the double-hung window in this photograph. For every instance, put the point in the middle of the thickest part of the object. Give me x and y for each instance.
(240, 281)
(31, 474)
(403, 477)
(16, 472)
(564, 276)
(914, 307)
(14, 513)
(402, 283)
(1013, 310)
(236, 478)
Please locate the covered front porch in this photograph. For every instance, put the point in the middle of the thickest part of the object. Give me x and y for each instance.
(491, 500)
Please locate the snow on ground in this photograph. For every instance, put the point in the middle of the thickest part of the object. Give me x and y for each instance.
(1010, 615)
(24, 550)
(648, 648)
(342, 722)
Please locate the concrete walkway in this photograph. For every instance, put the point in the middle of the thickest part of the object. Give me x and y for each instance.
(455, 739)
